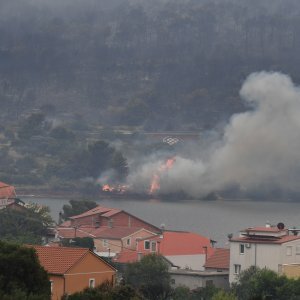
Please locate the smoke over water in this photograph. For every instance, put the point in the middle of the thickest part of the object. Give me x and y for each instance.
(259, 151)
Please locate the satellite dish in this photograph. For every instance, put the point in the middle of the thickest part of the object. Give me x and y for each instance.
(280, 226)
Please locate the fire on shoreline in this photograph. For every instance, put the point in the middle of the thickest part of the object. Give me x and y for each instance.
(155, 183)
(119, 189)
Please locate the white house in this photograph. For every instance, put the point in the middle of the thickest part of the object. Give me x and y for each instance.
(269, 246)
(199, 279)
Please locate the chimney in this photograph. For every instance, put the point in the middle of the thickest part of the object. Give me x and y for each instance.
(268, 224)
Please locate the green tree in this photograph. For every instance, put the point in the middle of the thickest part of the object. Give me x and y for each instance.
(181, 292)
(222, 295)
(99, 158)
(150, 277)
(25, 226)
(107, 292)
(61, 133)
(21, 274)
(259, 284)
(40, 212)
(77, 207)
(33, 125)
(205, 293)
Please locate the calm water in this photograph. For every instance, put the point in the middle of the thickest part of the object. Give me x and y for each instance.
(214, 219)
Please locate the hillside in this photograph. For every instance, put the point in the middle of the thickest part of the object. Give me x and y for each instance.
(162, 65)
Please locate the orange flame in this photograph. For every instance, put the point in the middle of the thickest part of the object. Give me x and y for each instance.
(107, 188)
(121, 189)
(155, 183)
(155, 186)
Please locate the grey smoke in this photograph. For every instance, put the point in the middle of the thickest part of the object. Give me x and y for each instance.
(260, 148)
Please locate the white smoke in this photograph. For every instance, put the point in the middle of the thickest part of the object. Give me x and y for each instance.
(259, 149)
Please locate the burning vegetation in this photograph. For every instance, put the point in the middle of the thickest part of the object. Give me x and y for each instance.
(154, 186)
(155, 183)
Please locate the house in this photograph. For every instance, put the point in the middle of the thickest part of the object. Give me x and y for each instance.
(199, 279)
(8, 198)
(73, 269)
(267, 246)
(13, 203)
(186, 250)
(7, 191)
(108, 241)
(218, 261)
(110, 217)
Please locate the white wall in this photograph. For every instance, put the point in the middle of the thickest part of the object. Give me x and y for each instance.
(191, 281)
(260, 255)
(271, 256)
(290, 259)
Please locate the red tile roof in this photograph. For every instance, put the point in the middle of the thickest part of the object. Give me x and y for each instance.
(126, 257)
(7, 191)
(115, 232)
(181, 243)
(219, 259)
(265, 240)
(107, 212)
(101, 232)
(58, 260)
(104, 211)
(65, 224)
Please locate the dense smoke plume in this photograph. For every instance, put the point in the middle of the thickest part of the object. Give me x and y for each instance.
(259, 150)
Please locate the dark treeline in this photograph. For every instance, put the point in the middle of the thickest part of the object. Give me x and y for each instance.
(162, 65)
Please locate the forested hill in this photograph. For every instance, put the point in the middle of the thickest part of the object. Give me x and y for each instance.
(159, 64)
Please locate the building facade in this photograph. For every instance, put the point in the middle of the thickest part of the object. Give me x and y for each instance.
(72, 270)
(264, 247)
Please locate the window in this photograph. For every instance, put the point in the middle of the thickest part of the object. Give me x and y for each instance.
(298, 250)
(105, 243)
(242, 248)
(209, 283)
(237, 269)
(51, 286)
(128, 242)
(147, 245)
(289, 250)
(172, 281)
(91, 282)
(153, 246)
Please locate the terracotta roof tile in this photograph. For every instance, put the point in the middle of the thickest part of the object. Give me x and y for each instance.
(126, 257)
(105, 211)
(219, 259)
(182, 243)
(101, 232)
(65, 224)
(58, 260)
(7, 191)
(115, 232)
(266, 240)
